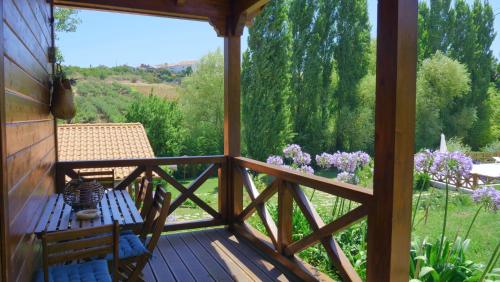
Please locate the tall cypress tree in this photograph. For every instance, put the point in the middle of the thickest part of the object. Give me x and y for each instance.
(483, 18)
(352, 58)
(266, 83)
(313, 31)
(471, 37)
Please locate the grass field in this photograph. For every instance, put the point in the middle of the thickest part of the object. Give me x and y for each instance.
(485, 231)
(164, 90)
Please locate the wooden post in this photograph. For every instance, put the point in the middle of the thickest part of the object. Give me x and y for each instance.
(390, 212)
(285, 213)
(232, 73)
(4, 210)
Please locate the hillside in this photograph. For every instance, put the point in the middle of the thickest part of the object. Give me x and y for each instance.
(104, 94)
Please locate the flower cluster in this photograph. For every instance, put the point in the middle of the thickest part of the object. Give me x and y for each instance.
(292, 150)
(347, 177)
(447, 164)
(298, 160)
(423, 161)
(348, 162)
(487, 196)
(324, 160)
(275, 160)
(302, 158)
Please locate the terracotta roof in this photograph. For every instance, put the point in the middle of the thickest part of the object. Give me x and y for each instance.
(103, 141)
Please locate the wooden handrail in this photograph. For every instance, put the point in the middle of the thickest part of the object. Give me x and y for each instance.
(218, 159)
(344, 190)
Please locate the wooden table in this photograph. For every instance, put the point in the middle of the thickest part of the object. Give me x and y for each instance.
(115, 205)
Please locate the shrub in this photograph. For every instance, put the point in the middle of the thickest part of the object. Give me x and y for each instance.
(457, 144)
(492, 147)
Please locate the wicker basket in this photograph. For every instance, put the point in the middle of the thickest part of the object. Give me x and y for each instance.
(81, 194)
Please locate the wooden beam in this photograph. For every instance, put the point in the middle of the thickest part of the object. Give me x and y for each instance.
(4, 210)
(390, 213)
(142, 162)
(285, 215)
(335, 226)
(192, 9)
(232, 126)
(250, 7)
(344, 190)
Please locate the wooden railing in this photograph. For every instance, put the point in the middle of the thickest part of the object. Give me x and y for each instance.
(288, 185)
(474, 181)
(150, 168)
(234, 176)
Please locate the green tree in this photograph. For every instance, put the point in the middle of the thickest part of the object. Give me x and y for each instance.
(313, 26)
(266, 83)
(352, 58)
(162, 121)
(481, 70)
(66, 20)
(202, 104)
(441, 83)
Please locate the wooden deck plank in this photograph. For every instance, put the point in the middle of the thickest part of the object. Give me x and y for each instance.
(231, 253)
(148, 274)
(179, 270)
(195, 267)
(252, 255)
(206, 255)
(242, 260)
(159, 268)
(231, 268)
(212, 266)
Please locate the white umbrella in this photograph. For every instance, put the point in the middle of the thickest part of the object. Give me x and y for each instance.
(442, 145)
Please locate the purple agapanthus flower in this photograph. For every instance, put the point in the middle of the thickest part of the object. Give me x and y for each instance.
(487, 196)
(306, 169)
(363, 158)
(275, 160)
(447, 164)
(347, 177)
(324, 160)
(292, 150)
(302, 158)
(349, 162)
(423, 161)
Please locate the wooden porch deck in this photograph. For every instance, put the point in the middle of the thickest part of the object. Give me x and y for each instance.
(210, 255)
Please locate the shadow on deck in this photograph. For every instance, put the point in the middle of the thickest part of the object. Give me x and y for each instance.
(210, 255)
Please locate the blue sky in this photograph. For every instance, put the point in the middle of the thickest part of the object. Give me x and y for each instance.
(116, 39)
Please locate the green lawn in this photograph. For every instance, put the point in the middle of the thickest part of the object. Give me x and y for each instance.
(485, 232)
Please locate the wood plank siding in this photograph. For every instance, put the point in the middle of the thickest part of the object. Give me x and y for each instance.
(28, 138)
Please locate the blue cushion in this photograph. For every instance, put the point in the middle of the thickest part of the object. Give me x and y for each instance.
(96, 270)
(129, 246)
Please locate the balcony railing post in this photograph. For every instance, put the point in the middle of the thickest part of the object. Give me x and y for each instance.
(389, 214)
(232, 126)
(285, 215)
(223, 190)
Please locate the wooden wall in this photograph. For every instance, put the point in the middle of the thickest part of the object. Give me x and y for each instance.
(29, 152)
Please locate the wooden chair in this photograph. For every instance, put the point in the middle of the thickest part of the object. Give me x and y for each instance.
(144, 196)
(131, 267)
(79, 245)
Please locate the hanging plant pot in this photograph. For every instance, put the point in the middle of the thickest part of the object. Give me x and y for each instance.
(63, 104)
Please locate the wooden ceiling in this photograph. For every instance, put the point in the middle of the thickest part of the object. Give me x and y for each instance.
(227, 16)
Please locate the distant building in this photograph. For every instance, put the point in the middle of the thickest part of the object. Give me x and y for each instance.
(104, 141)
(178, 67)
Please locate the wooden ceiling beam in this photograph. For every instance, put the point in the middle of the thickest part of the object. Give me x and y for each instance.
(248, 7)
(184, 9)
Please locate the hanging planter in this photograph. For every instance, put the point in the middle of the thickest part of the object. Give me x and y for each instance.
(63, 104)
